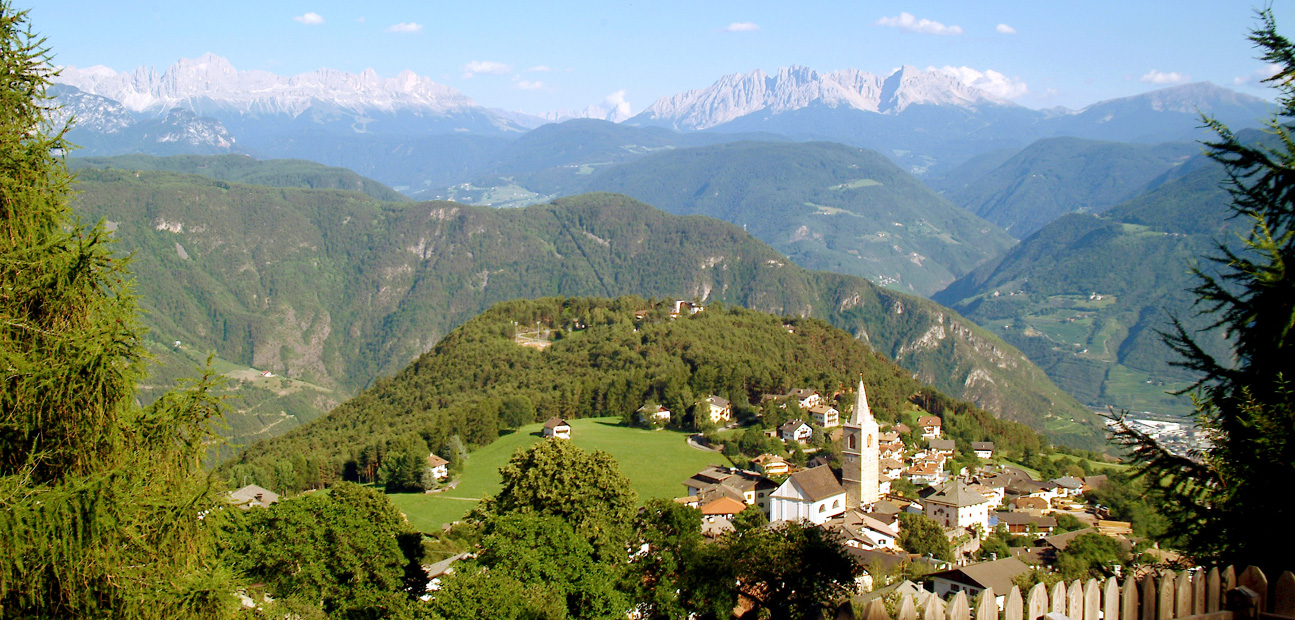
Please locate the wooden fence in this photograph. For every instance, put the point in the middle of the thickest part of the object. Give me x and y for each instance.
(1187, 595)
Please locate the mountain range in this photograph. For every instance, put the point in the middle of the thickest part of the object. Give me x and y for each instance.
(925, 120)
(333, 289)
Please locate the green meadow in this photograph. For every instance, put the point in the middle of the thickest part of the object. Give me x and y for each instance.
(655, 462)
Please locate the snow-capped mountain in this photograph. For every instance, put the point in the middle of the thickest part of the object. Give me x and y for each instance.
(92, 112)
(797, 88)
(211, 86)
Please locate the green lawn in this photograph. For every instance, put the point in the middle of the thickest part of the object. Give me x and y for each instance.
(655, 462)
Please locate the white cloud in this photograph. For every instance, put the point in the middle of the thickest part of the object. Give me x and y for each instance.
(539, 69)
(1258, 75)
(529, 85)
(309, 19)
(485, 67)
(1005, 29)
(741, 27)
(992, 82)
(617, 108)
(405, 28)
(908, 23)
(1158, 77)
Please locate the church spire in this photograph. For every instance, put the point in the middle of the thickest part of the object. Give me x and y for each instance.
(861, 412)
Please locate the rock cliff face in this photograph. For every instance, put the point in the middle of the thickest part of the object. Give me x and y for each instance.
(795, 88)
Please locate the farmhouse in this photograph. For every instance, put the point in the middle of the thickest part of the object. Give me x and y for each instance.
(983, 449)
(806, 397)
(825, 416)
(653, 414)
(720, 410)
(557, 427)
(795, 430)
(812, 495)
(930, 426)
(942, 446)
(748, 487)
(438, 466)
(772, 464)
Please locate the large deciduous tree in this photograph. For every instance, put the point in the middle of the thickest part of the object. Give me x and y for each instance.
(1222, 502)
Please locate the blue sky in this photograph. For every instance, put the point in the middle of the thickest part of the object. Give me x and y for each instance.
(539, 56)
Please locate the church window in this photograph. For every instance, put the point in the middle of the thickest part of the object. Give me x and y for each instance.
(853, 443)
(869, 441)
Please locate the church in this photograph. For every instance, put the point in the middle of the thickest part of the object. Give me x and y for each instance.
(815, 495)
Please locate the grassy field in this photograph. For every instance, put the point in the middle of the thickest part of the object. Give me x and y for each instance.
(655, 462)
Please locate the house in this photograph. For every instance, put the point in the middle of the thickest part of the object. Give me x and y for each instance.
(976, 578)
(901, 428)
(813, 495)
(956, 505)
(942, 446)
(1031, 505)
(772, 464)
(806, 397)
(722, 506)
(653, 415)
(681, 306)
(748, 487)
(439, 467)
(890, 468)
(825, 416)
(983, 449)
(930, 426)
(1068, 486)
(1093, 482)
(557, 427)
(252, 495)
(720, 410)
(924, 472)
(994, 493)
(862, 531)
(1022, 522)
(795, 430)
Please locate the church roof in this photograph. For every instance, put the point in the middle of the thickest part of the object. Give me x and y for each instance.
(817, 483)
(862, 413)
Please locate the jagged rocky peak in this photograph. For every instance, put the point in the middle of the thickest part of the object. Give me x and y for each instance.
(89, 112)
(190, 82)
(794, 88)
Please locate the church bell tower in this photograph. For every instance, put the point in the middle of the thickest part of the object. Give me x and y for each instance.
(861, 456)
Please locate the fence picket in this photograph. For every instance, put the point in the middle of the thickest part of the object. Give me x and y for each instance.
(1058, 598)
(1254, 579)
(1213, 590)
(1075, 601)
(1183, 595)
(1148, 597)
(1092, 600)
(1038, 603)
(1111, 600)
(876, 610)
(1284, 595)
(1165, 599)
(1229, 579)
(958, 609)
(934, 609)
(987, 608)
(1013, 605)
(1198, 593)
(907, 610)
(1129, 599)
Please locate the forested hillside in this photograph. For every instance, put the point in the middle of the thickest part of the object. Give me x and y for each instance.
(594, 357)
(1056, 176)
(826, 206)
(1086, 296)
(335, 289)
(244, 169)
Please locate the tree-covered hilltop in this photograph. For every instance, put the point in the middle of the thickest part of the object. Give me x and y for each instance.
(1086, 297)
(244, 169)
(582, 357)
(826, 206)
(336, 289)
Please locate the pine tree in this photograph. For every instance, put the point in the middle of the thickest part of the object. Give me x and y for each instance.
(1222, 503)
(103, 505)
